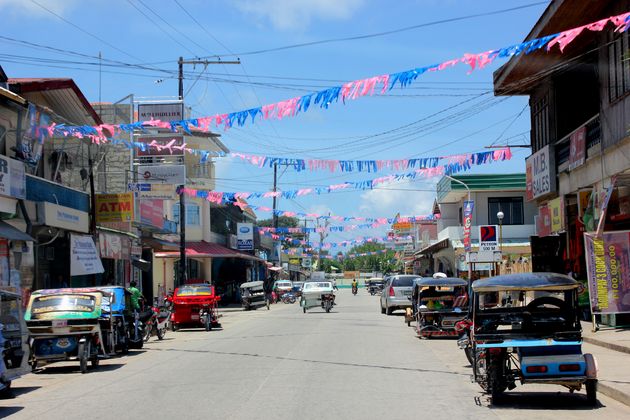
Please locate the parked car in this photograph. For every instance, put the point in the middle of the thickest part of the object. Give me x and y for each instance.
(397, 293)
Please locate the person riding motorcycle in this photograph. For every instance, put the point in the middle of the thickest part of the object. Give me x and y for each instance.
(355, 286)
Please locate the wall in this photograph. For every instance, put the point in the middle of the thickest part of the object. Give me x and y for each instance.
(480, 216)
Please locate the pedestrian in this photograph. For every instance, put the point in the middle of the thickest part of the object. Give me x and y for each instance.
(136, 296)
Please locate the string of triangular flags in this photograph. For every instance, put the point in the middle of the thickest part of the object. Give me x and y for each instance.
(294, 253)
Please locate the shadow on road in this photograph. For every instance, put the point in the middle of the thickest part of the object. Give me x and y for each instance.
(73, 369)
(545, 400)
(21, 390)
(9, 411)
(322, 362)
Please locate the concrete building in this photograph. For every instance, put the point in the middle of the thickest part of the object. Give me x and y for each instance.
(491, 194)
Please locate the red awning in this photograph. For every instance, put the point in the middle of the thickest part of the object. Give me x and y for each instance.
(207, 250)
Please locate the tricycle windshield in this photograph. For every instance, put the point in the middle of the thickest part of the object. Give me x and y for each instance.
(201, 290)
(62, 303)
(531, 311)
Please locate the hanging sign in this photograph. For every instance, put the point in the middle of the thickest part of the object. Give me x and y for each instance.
(468, 211)
(577, 151)
(84, 258)
(539, 169)
(245, 236)
(608, 270)
(114, 207)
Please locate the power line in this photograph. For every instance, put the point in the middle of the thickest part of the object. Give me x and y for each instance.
(390, 32)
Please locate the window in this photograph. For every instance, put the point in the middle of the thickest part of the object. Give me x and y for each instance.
(540, 128)
(512, 208)
(192, 214)
(618, 67)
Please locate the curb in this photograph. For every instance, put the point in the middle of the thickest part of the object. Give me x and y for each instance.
(613, 393)
(610, 346)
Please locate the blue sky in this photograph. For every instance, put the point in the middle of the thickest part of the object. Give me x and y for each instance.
(239, 26)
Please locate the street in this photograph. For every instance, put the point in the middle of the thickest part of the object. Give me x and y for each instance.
(353, 363)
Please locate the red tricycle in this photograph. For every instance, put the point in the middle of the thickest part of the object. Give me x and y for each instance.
(195, 304)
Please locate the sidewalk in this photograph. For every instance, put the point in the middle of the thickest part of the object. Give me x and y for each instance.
(611, 348)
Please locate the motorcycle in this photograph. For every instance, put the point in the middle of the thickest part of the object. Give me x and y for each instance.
(354, 290)
(288, 297)
(464, 342)
(158, 322)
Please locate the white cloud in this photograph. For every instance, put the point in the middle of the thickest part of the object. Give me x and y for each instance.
(386, 203)
(295, 14)
(26, 7)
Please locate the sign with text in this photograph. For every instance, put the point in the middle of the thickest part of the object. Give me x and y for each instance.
(152, 191)
(539, 169)
(543, 222)
(63, 217)
(162, 174)
(245, 236)
(608, 271)
(12, 178)
(84, 258)
(577, 151)
(162, 112)
(556, 210)
(468, 212)
(160, 145)
(152, 212)
(114, 207)
(488, 242)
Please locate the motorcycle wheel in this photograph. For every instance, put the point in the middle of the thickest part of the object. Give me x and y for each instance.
(148, 332)
(591, 391)
(83, 356)
(161, 332)
(208, 323)
(469, 355)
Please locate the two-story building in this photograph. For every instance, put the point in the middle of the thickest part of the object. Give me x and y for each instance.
(580, 118)
(491, 194)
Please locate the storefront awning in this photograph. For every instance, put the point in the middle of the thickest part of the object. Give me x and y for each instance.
(433, 248)
(207, 250)
(9, 232)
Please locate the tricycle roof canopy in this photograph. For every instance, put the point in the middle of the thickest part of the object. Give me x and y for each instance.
(525, 282)
(440, 282)
(252, 284)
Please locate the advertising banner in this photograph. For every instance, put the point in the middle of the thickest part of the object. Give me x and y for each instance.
(110, 245)
(577, 151)
(152, 212)
(84, 258)
(162, 174)
(468, 211)
(539, 169)
(556, 209)
(608, 270)
(543, 223)
(12, 178)
(245, 236)
(31, 145)
(114, 207)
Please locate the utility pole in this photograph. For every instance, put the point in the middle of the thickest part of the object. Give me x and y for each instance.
(275, 185)
(182, 205)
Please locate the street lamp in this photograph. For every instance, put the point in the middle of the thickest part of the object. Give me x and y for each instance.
(500, 216)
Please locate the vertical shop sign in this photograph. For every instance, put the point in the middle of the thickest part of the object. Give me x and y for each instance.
(556, 208)
(577, 151)
(468, 211)
(608, 270)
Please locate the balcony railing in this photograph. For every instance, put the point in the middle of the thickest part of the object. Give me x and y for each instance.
(593, 138)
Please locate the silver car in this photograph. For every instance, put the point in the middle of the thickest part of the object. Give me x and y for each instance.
(397, 293)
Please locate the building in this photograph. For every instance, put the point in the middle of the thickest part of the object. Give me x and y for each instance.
(580, 117)
(490, 194)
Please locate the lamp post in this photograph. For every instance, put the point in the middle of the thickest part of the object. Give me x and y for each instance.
(500, 216)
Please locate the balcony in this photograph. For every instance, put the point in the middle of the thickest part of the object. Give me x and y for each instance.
(592, 141)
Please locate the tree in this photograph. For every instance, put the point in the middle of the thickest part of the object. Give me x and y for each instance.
(283, 221)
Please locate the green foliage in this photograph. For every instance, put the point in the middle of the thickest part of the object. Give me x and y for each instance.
(283, 221)
(384, 262)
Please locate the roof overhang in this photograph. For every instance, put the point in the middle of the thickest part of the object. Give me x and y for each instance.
(517, 76)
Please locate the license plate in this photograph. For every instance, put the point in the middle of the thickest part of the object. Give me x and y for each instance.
(57, 323)
(407, 293)
(194, 317)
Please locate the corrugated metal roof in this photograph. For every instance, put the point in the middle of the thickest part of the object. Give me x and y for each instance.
(488, 182)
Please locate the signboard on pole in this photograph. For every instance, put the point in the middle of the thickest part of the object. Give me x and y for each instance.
(162, 112)
(468, 212)
(608, 270)
(162, 174)
(114, 207)
(539, 169)
(488, 242)
(245, 236)
(84, 258)
(577, 151)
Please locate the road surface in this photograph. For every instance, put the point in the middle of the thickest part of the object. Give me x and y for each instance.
(353, 363)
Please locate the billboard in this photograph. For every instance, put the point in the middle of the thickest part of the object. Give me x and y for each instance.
(114, 207)
(162, 112)
(162, 174)
(245, 236)
(608, 271)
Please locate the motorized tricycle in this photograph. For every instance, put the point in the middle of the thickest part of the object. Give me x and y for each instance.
(375, 285)
(253, 295)
(114, 324)
(438, 304)
(195, 304)
(64, 324)
(526, 328)
(316, 294)
(11, 352)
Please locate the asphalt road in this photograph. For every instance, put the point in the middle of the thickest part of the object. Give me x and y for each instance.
(353, 363)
